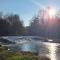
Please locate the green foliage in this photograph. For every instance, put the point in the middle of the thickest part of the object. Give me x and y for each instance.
(23, 58)
(8, 55)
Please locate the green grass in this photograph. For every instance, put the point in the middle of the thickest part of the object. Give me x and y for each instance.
(7, 55)
(22, 58)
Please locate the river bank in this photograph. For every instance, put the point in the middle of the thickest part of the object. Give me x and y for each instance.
(9, 55)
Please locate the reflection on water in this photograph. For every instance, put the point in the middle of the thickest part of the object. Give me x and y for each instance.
(32, 47)
(51, 50)
(54, 50)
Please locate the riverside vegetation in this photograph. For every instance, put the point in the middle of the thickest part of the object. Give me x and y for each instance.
(5, 54)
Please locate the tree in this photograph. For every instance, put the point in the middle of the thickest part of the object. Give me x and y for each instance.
(11, 25)
(4, 27)
(42, 26)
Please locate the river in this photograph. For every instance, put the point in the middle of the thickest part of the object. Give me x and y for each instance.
(51, 50)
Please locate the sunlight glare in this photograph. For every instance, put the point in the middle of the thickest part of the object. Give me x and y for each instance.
(51, 12)
(52, 48)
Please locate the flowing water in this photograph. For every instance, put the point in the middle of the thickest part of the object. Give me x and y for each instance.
(51, 50)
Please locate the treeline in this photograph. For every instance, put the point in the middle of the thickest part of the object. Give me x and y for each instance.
(48, 28)
(11, 25)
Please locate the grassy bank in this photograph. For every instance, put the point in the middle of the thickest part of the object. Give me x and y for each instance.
(8, 55)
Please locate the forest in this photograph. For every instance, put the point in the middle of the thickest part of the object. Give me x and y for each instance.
(12, 25)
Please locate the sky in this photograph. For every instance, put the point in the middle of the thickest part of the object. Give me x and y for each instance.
(26, 9)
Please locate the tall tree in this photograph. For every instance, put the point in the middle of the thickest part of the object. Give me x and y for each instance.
(11, 25)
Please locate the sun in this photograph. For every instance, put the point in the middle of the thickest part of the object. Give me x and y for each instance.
(51, 12)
